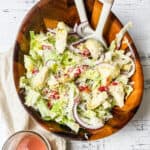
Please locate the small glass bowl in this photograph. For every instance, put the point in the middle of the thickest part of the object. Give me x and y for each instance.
(13, 141)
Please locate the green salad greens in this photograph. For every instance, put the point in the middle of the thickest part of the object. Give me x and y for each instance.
(75, 85)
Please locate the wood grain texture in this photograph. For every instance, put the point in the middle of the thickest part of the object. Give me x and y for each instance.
(135, 136)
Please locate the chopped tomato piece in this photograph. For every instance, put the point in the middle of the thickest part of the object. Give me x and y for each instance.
(84, 88)
(77, 72)
(54, 95)
(86, 53)
(114, 83)
(35, 71)
(103, 88)
(49, 105)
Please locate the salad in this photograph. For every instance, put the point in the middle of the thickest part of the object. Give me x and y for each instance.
(76, 84)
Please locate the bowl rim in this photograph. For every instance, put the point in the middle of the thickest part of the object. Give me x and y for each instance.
(119, 23)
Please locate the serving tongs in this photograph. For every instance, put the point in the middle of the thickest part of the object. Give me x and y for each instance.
(84, 30)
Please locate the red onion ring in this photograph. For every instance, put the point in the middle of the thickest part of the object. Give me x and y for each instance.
(51, 31)
(72, 32)
(132, 70)
(101, 59)
(75, 28)
(72, 46)
(81, 122)
(80, 28)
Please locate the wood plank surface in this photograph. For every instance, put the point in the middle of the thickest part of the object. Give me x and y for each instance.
(136, 135)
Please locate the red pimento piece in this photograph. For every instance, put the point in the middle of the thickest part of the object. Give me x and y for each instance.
(84, 89)
(114, 83)
(103, 88)
(35, 71)
(54, 95)
(49, 105)
(46, 47)
(77, 72)
(86, 53)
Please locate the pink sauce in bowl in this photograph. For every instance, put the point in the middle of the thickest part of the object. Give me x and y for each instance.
(31, 142)
(26, 140)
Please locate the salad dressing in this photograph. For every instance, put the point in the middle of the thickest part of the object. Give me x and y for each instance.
(31, 142)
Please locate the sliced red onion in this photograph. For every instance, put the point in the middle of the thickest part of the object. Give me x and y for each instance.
(101, 59)
(121, 34)
(81, 122)
(129, 54)
(132, 70)
(84, 29)
(73, 33)
(75, 28)
(51, 30)
(130, 48)
(74, 44)
(80, 28)
(74, 49)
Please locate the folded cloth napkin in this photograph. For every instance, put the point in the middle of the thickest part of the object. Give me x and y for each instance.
(13, 117)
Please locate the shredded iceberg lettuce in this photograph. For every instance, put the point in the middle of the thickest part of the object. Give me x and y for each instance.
(90, 75)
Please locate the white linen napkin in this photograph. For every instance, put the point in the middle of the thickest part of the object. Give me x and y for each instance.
(13, 117)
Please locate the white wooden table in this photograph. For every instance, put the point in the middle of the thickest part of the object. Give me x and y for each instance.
(136, 135)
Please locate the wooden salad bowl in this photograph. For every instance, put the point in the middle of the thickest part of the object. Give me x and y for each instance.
(45, 14)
